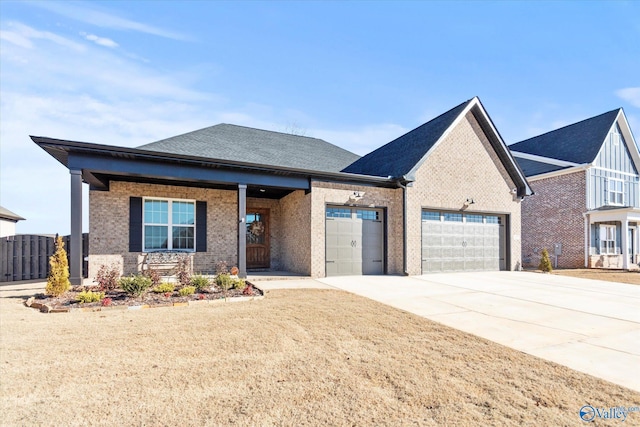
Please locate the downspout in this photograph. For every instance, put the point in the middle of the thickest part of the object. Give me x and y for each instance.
(404, 227)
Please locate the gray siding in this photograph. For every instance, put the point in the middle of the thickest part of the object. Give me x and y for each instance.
(613, 162)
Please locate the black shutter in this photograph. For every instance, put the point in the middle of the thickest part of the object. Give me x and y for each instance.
(201, 226)
(135, 224)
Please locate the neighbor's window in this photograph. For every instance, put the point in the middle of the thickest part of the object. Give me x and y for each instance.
(615, 136)
(169, 224)
(616, 191)
(607, 239)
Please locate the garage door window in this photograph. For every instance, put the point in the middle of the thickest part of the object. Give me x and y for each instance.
(474, 218)
(430, 216)
(492, 219)
(452, 217)
(338, 213)
(370, 215)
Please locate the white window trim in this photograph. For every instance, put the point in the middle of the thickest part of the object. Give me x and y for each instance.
(611, 181)
(604, 249)
(615, 136)
(169, 224)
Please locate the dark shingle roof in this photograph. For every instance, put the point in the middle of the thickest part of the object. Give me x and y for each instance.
(262, 147)
(398, 157)
(578, 143)
(531, 167)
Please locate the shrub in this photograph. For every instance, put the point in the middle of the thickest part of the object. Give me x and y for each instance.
(183, 271)
(248, 290)
(107, 277)
(106, 302)
(224, 281)
(154, 275)
(187, 290)
(200, 282)
(89, 296)
(163, 288)
(135, 285)
(239, 283)
(545, 262)
(58, 281)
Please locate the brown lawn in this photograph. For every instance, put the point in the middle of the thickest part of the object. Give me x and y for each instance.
(632, 277)
(298, 357)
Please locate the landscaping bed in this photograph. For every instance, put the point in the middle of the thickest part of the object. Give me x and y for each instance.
(119, 298)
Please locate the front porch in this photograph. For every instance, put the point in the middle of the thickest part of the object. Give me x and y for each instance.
(611, 238)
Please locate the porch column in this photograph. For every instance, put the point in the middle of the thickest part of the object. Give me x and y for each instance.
(242, 230)
(587, 240)
(625, 244)
(75, 244)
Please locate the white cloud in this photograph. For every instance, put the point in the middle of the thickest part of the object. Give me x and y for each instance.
(363, 139)
(102, 41)
(91, 15)
(23, 36)
(631, 95)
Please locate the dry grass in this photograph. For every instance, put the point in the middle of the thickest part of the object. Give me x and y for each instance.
(298, 357)
(632, 277)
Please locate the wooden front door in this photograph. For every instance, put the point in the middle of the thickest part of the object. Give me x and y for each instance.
(258, 254)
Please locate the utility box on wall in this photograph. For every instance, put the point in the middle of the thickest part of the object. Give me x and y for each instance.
(557, 248)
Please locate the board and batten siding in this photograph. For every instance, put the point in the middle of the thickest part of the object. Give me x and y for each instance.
(613, 162)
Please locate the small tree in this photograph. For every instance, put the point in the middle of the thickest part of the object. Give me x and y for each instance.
(545, 262)
(58, 281)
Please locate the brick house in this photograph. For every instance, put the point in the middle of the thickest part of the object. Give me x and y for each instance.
(443, 197)
(586, 210)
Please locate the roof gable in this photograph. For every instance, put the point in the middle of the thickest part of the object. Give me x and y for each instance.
(239, 143)
(400, 156)
(578, 143)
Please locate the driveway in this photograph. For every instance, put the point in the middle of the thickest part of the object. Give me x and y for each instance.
(588, 325)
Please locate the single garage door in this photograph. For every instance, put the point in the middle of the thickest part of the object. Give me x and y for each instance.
(455, 241)
(354, 241)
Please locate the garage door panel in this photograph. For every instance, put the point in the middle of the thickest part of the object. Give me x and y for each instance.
(354, 242)
(473, 244)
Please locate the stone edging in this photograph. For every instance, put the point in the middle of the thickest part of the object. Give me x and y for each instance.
(44, 308)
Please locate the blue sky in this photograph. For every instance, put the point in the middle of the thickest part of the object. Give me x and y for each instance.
(357, 74)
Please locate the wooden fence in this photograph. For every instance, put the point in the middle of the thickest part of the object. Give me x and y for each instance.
(26, 257)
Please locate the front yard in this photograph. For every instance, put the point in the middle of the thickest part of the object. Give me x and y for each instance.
(298, 357)
(631, 277)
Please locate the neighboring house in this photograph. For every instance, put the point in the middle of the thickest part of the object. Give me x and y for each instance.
(8, 222)
(586, 209)
(443, 197)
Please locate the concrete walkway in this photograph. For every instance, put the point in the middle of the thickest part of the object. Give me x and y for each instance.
(588, 325)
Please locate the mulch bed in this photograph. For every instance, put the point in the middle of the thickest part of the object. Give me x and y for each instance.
(120, 298)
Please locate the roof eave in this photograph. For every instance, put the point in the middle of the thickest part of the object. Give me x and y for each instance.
(59, 149)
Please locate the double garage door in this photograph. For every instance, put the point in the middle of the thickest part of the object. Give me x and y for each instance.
(451, 241)
(354, 241)
(455, 241)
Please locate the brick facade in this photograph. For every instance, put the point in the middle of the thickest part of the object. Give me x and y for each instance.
(464, 165)
(555, 215)
(109, 224)
(390, 199)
